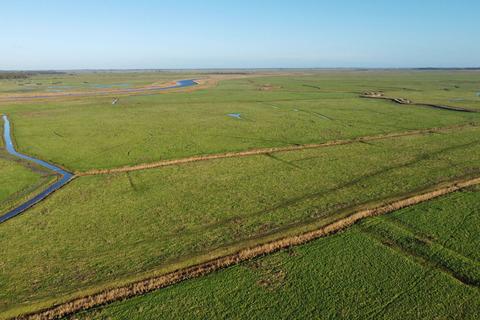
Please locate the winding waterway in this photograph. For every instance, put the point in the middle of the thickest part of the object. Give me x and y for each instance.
(65, 176)
(178, 84)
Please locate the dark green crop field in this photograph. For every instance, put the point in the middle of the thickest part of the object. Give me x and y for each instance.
(371, 271)
(102, 231)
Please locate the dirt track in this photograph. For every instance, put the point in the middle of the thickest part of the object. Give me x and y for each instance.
(147, 285)
(254, 152)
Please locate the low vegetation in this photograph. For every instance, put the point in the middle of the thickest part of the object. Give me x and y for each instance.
(18, 83)
(351, 275)
(17, 181)
(150, 128)
(107, 230)
(143, 221)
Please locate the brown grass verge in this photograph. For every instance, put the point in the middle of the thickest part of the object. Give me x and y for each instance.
(379, 95)
(147, 285)
(261, 151)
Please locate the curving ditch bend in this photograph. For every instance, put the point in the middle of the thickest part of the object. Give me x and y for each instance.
(65, 175)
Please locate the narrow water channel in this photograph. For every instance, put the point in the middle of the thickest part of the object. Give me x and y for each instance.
(178, 84)
(65, 176)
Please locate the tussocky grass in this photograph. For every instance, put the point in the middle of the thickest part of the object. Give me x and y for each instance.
(84, 81)
(349, 275)
(104, 230)
(19, 179)
(276, 111)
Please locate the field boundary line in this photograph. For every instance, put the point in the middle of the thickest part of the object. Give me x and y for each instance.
(263, 151)
(153, 283)
(435, 248)
(379, 95)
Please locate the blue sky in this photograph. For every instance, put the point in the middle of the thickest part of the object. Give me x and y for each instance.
(228, 34)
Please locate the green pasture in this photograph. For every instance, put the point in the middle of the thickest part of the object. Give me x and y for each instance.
(18, 178)
(296, 109)
(351, 275)
(18, 181)
(85, 81)
(104, 230)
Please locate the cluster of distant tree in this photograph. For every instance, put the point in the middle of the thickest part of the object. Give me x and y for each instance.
(24, 74)
(14, 75)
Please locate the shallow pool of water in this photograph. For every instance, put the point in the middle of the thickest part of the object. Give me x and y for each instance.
(235, 115)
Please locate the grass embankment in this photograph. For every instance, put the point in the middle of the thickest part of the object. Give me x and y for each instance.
(298, 238)
(269, 151)
(294, 110)
(350, 275)
(162, 219)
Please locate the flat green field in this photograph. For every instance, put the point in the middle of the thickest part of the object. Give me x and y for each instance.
(151, 220)
(85, 81)
(292, 110)
(352, 275)
(103, 231)
(19, 179)
(458, 89)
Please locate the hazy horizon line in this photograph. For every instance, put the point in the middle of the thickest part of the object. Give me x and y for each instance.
(239, 68)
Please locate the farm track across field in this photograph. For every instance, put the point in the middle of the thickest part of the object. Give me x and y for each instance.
(147, 285)
(266, 151)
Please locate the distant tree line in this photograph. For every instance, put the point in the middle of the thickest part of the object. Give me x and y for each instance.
(24, 74)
